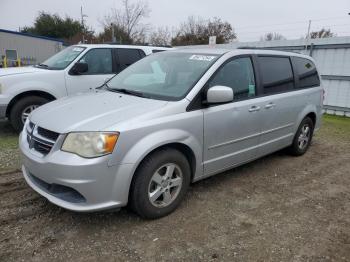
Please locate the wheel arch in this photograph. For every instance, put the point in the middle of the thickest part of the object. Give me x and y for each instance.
(309, 111)
(181, 147)
(19, 96)
(313, 117)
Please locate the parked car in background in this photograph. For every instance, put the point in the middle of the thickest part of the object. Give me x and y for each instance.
(168, 120)
(75, 69)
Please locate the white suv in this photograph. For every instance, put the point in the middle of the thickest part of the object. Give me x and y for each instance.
(76, 69)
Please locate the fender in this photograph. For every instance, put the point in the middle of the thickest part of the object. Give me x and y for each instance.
(160, 138)
(52, 83)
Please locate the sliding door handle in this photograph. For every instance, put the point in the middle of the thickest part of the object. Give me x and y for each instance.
(270, 105)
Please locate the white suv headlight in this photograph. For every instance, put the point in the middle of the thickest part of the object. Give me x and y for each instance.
(90, 144)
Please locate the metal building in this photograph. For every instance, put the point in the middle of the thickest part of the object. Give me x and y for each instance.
(29, 49)
(332, 56)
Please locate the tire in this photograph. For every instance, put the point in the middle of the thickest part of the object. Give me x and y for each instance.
(28, 103)
(302, 138)
(148, 182)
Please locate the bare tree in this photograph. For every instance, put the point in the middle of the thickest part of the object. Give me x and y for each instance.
(323, 33)
(198, 30)
(128, 19)
(272, 36)
(161, 37)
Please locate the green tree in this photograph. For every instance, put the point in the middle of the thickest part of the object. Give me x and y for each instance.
(323, 33)
(120, 34)
(272, 36)
(52, 25)
(196, 31)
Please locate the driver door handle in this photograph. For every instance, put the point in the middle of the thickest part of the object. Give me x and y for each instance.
(254, 109)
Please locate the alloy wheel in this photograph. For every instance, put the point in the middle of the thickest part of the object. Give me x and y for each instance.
(165, 185)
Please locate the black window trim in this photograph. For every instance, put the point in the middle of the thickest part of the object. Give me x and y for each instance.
(294, 75)
(142, 54)
(83, 55)
(197, 101)
(295, 68)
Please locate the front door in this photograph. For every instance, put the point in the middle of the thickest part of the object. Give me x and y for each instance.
(232, 130)
(100, 68)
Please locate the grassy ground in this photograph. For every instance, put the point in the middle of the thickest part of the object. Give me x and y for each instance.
(9, 154)
(333, 126)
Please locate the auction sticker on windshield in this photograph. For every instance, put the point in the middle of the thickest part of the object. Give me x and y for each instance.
(78, 49)
(202, 57)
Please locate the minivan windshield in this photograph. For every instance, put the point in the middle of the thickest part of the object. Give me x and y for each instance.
(62, 59)
(164, 76)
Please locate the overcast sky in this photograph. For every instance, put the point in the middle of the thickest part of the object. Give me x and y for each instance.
(250, 18)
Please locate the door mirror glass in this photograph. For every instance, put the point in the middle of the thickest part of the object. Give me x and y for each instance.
(219, 94)
(79, 68)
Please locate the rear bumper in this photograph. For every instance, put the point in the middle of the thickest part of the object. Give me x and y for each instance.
(74, 183)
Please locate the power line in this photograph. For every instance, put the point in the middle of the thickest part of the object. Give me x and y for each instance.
(296, 22)
(292, 29)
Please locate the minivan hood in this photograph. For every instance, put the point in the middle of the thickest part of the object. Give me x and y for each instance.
(19, 70)
(92, 112)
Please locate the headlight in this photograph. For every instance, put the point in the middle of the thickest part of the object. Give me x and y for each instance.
(90, 144)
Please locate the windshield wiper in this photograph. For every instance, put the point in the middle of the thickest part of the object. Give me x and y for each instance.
(103, 86)
(127, 91)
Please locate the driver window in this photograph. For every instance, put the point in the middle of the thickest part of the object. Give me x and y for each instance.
(99, 61)
(237, 74)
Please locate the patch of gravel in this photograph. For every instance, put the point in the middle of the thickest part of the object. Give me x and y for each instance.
(278, 208)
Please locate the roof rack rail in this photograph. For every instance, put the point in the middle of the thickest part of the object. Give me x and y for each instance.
(254, 47)
(144, 44)
(275, 48)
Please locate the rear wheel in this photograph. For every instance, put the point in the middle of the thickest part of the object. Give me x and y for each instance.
(303, 137)
(160, 183)
(23, 108)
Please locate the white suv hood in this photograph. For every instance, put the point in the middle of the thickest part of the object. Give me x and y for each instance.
(19, 70)
(92, 112)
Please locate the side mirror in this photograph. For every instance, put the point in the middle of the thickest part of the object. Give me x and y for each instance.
(219, 94)
(79, 68)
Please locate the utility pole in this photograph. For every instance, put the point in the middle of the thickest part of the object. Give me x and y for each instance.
(82, 23)
(113, 35)
(308, 36)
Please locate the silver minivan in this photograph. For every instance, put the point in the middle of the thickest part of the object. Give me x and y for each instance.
(168, 120)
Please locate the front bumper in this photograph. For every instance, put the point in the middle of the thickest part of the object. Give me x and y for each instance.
(3, 111)
(75, 183)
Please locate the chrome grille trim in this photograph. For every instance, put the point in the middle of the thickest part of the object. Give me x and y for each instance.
(39, 143)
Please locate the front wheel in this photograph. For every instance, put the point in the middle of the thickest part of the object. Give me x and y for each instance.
(302, 138)
(23, 108)
(160, 184)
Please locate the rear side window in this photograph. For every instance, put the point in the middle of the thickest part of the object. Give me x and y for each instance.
(237, 74)
(127, 57)
(307, 73)
(277, 74)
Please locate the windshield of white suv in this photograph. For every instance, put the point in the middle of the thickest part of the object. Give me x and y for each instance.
(164, 76)
(62, 59)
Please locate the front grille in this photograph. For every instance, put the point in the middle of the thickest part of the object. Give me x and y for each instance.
(40, 139)
(48, 134)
